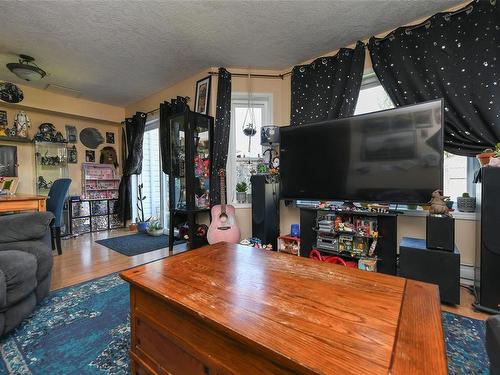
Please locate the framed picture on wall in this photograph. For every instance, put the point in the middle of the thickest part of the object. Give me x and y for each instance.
(90, 156)
(71, 134)
(72, 155)
(3, 118)
(9, 184)
(110, 137)
(8, 161)
(202, 102)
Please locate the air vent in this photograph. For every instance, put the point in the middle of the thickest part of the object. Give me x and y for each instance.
(56, 89)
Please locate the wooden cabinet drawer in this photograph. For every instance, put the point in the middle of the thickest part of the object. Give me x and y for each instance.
(167, 356)
(209, 350)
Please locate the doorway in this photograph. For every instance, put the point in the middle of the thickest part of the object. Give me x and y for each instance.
(155, 182)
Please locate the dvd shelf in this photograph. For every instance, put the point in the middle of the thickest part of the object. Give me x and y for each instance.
(99, 181)
(347, 236)
(366, 238)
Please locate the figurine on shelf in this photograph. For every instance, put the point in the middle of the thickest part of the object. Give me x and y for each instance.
(322, 205)
(201, 166)
(48, 133)
(373, 246)
(109, 156)
(21, 124)
(43, 184)
(50, 160)
(338, 221)
(11, 132)
(438, 204)
(201, 201)
(253, 242)
(3, 130)
(360, 245)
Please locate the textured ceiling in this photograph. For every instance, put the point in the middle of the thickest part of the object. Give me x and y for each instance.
(118, 52)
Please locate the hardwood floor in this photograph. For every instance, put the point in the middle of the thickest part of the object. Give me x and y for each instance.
(465, 307)
(83, 259)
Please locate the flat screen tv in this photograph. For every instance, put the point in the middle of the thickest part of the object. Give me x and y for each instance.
(392, 156)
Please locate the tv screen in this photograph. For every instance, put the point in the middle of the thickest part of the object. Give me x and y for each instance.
(392, 156)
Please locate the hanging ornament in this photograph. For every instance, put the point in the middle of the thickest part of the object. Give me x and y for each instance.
(249, 129)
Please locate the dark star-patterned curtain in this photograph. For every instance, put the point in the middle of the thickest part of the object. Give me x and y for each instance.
(455, 56)
(328, 88)
(221, 132)
(168, 109)
(134, 128)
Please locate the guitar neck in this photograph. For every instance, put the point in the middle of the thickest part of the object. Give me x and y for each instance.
(223, 194)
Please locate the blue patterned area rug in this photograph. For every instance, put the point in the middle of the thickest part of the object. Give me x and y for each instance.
(465, 339)
(82, 329)
(85, 329)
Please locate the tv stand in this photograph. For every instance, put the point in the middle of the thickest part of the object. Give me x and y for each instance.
(386, 249)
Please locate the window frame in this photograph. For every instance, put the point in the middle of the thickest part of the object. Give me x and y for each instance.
(240, 99)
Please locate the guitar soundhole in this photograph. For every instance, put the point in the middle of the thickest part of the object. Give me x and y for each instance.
(223, 217)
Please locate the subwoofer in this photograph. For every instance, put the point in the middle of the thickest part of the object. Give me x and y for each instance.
(265, 209)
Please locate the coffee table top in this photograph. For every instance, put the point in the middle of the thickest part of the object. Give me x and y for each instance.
(324, 317)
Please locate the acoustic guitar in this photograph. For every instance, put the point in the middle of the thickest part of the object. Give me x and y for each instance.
(223, 226)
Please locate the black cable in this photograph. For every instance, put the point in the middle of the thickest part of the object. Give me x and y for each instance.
(470, 288)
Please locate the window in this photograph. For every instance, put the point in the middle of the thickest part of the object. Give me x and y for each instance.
(372, 96)
(458, 170)
(245, 153)
(458, 175)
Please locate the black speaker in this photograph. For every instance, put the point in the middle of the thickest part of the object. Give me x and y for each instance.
(440, 233)
(486, 270)
(432, 266)
(265, 209)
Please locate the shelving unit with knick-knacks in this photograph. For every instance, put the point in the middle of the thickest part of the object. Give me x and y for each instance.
(99, 181)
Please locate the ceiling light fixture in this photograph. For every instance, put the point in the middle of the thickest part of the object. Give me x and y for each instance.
(26, 69)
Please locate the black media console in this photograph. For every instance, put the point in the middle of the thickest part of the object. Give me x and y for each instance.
(386, 247)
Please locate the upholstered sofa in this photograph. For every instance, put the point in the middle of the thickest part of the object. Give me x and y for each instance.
(493, 343)
(25, 265)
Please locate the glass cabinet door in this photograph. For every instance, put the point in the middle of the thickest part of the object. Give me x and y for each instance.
(51, 163)
(201, 147)
(178, 160)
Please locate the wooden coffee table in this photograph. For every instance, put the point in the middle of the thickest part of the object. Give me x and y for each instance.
(229, 309)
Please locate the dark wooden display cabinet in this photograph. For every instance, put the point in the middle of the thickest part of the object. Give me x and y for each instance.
(386, 227)
(190, 146)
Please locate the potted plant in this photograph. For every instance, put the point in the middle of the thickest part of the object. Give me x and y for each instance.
(466, 203)
(486, 155)
(449, 203)
(142, 225)
(241, 192)
(155, 228)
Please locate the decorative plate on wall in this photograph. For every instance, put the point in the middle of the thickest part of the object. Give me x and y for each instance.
(91, 138)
